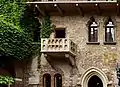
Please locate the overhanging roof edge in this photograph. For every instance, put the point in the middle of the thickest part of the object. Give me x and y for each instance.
(72, 2)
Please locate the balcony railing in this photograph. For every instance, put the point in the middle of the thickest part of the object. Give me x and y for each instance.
(58, 45)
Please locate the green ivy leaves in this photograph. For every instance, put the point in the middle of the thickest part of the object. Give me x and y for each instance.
(16, 36)
(46, 27)
(6, 80)
(17, 26)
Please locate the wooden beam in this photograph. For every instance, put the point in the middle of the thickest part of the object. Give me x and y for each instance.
(118, 9)
(59, 9)
(72, 2)
(98, 8)
(80, 9)
(40, 10)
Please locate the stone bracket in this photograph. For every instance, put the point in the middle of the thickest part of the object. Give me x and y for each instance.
(71, 59)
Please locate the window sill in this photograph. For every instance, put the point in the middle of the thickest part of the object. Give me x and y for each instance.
(109, 43)
(95, 43)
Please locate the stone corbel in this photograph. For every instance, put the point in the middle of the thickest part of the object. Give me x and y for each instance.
(45, 55)
(71, 59)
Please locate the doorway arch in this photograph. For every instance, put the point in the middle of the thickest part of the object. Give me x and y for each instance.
(95, 81)
(94, 73)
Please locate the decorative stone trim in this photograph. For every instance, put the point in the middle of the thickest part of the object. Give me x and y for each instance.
(91, 72)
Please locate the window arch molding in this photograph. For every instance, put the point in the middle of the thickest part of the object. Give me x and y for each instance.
(106, 19)
(92, 27)
(91, 72)
(110, 30)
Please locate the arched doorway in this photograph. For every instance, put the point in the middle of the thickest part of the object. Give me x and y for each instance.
(95, 81)
(46, 80)
(58, 80)
(94, 76)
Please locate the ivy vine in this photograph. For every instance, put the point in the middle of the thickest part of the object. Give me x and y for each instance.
(46, 27)
(4, 80)
(17, 23)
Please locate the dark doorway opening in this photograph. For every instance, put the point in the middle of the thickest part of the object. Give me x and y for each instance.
(60, 33)
(7, 66)
(95, 81)
(36, 36)
(58, 80)
(3, 85)
(47, 80)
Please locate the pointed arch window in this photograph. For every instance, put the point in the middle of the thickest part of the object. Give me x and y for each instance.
(46, 80)
(93, 32)
(57, 80)
(109, 31)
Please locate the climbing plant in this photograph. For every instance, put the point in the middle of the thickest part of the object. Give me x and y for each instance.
(5, 80)
(46, 27)
(16, 29)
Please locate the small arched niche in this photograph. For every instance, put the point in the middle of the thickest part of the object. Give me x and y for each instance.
(46, 80)
(57, 80)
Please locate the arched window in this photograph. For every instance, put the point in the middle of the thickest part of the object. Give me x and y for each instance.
(109, 31)
(46, 80)
(57, 80)
(92, 31)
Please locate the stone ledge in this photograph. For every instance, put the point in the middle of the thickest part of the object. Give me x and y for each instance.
(109, 43)
(93, 43)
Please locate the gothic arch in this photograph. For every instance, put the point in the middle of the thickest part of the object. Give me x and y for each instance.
(90, 21)
(91, 72)
(109, 18)
(92, 30)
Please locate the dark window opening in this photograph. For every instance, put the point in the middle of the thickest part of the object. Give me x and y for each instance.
(46, 80)
(91, 0)
(36, 36)
(2, 85)
(109, 31)
(60, 33)
(36, 11)
(95, 81)
(7, 66)
(50, 0)
(58, 80)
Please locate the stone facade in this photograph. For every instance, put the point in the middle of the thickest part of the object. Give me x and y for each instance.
(98, 58)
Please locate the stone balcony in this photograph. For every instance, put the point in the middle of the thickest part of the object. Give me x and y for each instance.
(58, 47)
